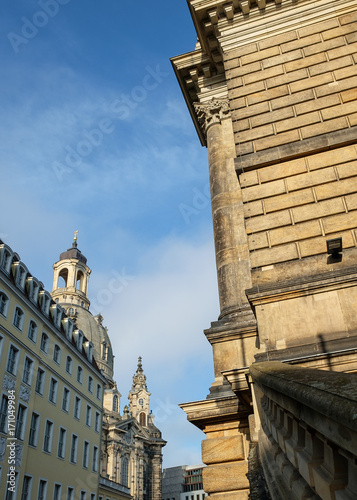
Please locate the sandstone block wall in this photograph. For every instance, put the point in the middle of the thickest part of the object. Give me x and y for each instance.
(293, 207)
(294, 86)
(291, 96)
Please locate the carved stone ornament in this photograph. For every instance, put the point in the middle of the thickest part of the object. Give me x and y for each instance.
(212, 112)
(8, 383)
(18, 454)
(2, 449)
(25, 393)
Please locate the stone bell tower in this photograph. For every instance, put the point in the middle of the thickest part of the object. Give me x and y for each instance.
(139, 397)
(70, 288)
(71, 276)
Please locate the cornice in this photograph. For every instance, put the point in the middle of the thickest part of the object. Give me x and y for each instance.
(245, 21)
(222, 26)
(301, 287)
(209, 411)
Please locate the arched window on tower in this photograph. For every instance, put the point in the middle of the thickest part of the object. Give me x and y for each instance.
(80, 281)
(62, 278)
(115, 403)
(142, 419)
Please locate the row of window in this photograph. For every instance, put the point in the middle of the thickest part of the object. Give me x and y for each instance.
(22, 412)
(20, 426)
(18, 322)
(28, 368)
(28, 491)
(59, 318)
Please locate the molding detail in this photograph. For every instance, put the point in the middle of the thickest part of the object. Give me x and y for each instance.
(25, 393)
(212, 112)
(8, 383)
(18, 453)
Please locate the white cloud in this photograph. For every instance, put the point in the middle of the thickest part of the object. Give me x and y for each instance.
(160, 315)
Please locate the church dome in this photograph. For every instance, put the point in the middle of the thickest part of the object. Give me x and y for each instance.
(97, 333)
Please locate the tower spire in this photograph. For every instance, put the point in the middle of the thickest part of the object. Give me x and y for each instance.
(139, 396)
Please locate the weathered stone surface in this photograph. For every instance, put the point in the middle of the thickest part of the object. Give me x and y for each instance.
(226, 477)
(224, 449)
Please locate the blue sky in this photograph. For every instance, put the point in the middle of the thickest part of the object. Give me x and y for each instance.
(96, 137)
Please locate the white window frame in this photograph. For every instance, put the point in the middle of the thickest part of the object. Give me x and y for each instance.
(63, 444)
(5, 304)
(85, 454)
(29, 491)
(15, 361)
(90, 384)
(97, 422)
(43, 482)
(66, 401)
(57, 495)
(79, 374)
(77, 408)
(19, 434)
(57, 351)
(52, 395)
(69, 364)
(48, 438)
(70, 493)
(89, 416)
(1, 345)
(5, 260)
(27, 375)
(19, 324)
(20, 272)
(39, 389)
(99, 392)
(45, 300)
(45, 342)
(4, 414)
(95, 459)
(34, 431)
(74, 449)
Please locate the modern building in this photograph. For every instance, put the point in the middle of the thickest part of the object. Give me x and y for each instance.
(271, 89)
(131, 448)
(183, 483)
(51, 394)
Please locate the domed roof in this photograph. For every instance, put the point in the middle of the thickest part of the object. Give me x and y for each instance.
(73, 253)
(93, 329)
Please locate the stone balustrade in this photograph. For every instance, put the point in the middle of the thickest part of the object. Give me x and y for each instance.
(308, 431)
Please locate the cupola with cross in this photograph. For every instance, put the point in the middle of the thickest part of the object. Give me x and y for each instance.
(139, 397)
(71, 275)
(70, 288)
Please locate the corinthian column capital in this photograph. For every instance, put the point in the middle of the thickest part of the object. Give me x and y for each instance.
(211, 112)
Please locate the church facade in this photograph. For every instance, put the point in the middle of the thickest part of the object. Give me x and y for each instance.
(131, 447)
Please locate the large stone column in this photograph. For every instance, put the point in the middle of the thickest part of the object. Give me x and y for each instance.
(232, 256)
(233, 335)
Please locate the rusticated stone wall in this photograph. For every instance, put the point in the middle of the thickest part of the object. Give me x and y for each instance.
(293, 86)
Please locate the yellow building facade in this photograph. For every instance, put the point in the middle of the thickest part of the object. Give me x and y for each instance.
(51, 403)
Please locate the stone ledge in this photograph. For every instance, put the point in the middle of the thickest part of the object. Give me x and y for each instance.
(296, 149)
(303, 284)
(324, 400)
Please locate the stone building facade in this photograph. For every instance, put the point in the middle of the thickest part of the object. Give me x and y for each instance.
(131, 446)
(271, 88)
